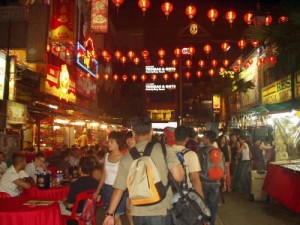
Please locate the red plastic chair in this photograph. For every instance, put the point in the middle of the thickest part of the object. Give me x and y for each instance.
(4, 195)
(82, 196)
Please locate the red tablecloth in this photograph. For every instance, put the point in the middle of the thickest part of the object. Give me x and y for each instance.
(283, 186)
(13, 212)
(54, 193)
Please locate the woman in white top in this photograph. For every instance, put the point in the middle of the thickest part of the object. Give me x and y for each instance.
(245, 152)
(111, 165)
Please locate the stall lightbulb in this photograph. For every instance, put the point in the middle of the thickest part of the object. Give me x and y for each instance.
(61, 121)
(103, 126)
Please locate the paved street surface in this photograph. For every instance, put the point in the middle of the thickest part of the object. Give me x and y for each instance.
(238, 210)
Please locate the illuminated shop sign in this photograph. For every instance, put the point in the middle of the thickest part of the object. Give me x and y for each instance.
(86, 57)
(99, 16)
(2, 73)
(160, 87)
(16, 113)
(153, 69)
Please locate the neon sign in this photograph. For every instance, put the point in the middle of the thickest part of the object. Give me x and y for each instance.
(86, 57)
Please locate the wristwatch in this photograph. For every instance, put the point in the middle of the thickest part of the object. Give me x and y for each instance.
(109, 214)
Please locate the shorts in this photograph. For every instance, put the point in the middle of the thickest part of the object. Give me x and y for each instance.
(106, 196)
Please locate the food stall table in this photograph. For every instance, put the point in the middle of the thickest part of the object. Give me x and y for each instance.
(53, 193)
(13, 212)
(283, 185)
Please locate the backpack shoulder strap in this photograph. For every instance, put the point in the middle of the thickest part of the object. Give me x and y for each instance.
(148, 149)
(134, 153)
(186, 150)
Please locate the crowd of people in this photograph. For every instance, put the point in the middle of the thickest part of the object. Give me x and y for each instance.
(105, 170)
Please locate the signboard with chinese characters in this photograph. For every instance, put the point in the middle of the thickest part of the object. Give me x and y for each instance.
(99, 16)
(16, 113)
(277, 92)
(59, 83)
(160, 70)
(85, 86)
(216, 102)
(160, 87)
(297, 85)
(86, 57)
(63, 20)
(2, 73)
(12, 79)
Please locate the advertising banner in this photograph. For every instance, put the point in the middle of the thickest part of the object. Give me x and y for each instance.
(16, 113)
(85, 86)
(277, 92)
(59, 83)
(99, 16)
(63, 20)
(2, 73)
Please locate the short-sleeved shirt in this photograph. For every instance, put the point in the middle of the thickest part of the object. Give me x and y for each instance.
(82, 184)
(7, 181)
(32, 171)
(158, 159)
(191, 160)
(3, 167)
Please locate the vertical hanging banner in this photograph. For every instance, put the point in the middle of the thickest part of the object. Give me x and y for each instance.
(99, 16)
(63, 20)
(2, 74)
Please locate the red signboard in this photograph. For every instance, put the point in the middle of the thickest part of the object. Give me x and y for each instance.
(63, 20)
(85, 86)
(59, 83)
(99, 16)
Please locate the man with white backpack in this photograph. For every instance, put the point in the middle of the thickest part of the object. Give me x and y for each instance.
(153, 165)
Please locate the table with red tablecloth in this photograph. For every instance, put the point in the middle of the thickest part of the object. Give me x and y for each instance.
(283, 185)
(53, 193)
(13, 212)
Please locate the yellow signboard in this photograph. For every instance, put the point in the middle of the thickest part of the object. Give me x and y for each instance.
(277, 92)
(297, 85)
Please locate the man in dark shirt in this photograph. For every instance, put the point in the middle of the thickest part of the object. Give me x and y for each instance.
(84, 183)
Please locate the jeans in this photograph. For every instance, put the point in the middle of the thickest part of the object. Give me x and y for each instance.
(212, 195)
(245, 179)
(152, 220)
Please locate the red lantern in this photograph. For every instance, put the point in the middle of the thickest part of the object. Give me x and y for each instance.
(145, 54)
(174, 62)
(250, 61)
(225, 46)
(166, 76)
(230, 16)
(97, 76)
(211, 72)
(115, 77)
(123, 59)
(272, 60)
(88, 75)
(214, 63)
(246, 66)
(242, 44)
(255, 43)
(226, 62)
(161, 53)
(212, 14)
(134, 77)
(175, 76)
(108, 58)
(118, 3)
(130, 54)
(154, 77)
(118, 54)
(136, 60)
(235, 68)
(188, 63)
(268, 20)
(106, 76)
(143, 77)
(177, 52)
(201, 63)
(104, 53)
(190, 11)
(199, 73)
(221, 70)
(144, 5)
(207, 49)
(248, 18)
(124, 77)
(161, 62)
(48, 48)
(57, 49)
(192, 50)
(167, 8)
(283, 19)
(187, 75)
(262, 60)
